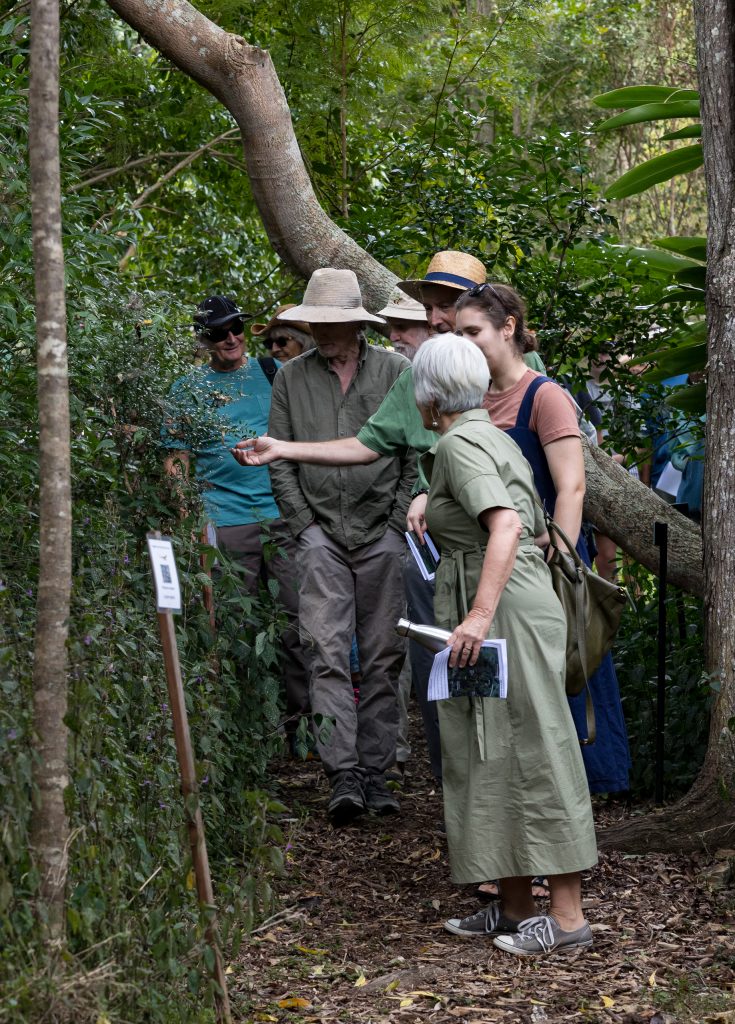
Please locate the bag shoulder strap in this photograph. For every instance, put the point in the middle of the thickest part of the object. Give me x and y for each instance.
(269, 368)
(523, 419)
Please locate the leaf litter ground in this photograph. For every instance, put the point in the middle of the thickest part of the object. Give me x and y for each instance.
(359, 935)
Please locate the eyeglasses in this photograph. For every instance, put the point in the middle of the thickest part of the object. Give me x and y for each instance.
(216, 334)
(480, 288)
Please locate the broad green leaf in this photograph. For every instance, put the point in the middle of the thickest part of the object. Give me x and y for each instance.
(635, 95)
(679, 360)
(681, 295)
(690, 131)
(693, 246)
(658, 259)
(692, 400)
(687, 337)
(660, 168)
(696, 276)
(651, 112)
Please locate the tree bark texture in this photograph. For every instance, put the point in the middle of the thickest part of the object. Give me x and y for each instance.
(715, 27)
(625, 510)
(706, 815)
(244, 79)
(49, 831)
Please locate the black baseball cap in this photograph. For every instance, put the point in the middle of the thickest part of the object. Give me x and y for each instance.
(216, 311)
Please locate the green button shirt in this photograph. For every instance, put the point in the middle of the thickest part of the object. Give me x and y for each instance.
(353, 504)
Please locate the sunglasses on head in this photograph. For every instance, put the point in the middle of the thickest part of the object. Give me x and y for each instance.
(480, 288)
(215, 334)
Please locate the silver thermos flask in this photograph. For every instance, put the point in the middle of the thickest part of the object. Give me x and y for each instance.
(430, 636)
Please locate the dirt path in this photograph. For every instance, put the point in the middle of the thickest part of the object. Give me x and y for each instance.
(360, 935)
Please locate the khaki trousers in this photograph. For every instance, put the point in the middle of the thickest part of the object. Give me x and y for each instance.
(342, 592)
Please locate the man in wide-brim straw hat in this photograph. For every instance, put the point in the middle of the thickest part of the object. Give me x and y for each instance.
(349, 524)
(284, 340)
(449, 274)
(394, 429)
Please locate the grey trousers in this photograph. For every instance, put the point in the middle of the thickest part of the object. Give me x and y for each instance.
(242, 543)
(343, 592)
(403, 744)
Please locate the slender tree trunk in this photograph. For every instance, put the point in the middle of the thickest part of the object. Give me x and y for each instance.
(343, 107)
(49, 822)
(706, 815)
(715, 24)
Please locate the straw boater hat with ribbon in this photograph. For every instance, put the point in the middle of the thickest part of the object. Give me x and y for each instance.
(331, 297)
(300, 325)
(401, 307)
(451, 270)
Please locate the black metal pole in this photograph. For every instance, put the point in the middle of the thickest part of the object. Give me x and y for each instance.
(661, 540)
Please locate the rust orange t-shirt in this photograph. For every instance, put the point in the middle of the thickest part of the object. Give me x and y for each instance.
(553, 414)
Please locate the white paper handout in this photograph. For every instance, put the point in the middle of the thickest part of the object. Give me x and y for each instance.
(488, 678)
(669, 480)
(426, 555)
(165, 576)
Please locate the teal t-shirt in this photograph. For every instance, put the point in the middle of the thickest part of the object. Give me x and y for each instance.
(208, 414)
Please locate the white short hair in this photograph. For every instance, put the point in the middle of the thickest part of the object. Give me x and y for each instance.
(450, 373)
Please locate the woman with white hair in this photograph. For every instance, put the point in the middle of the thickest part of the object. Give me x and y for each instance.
(516, 801)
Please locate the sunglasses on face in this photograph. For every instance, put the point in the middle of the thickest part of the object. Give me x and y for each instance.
(214, 334)
(282, 341)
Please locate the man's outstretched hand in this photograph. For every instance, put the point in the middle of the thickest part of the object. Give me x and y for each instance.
(257, 451)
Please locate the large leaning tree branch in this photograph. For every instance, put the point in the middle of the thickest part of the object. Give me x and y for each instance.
(244, 79)
(625, 509)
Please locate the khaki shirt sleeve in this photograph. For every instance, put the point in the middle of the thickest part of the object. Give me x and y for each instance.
(473, 479)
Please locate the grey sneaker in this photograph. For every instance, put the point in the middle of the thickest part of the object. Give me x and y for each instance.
(485, 923)
(347, 800)
(379, 797)
(538, 936)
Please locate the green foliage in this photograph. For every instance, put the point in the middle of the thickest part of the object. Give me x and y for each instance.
(136, 937)
(688, 692)
(655, 170)
(651, 112)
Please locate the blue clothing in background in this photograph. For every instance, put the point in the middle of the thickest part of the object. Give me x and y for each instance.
(657, 428)
(607, 760)
(209, 412)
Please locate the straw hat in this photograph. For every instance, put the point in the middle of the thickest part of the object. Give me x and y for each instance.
(300, 325)
(401, 307)
(452, 270)
(331, 297)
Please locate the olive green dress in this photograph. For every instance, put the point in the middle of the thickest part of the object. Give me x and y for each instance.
(516, 800)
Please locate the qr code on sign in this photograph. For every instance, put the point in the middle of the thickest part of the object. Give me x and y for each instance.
(165, 574)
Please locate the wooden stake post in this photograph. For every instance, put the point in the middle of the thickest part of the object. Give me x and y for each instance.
(168, 600)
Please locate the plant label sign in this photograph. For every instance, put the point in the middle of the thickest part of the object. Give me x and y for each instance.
(165, 576)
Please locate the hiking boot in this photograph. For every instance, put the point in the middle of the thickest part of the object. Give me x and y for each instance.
(396, 773)
(347, 800)
(379, 797)
(538, 936)
(484, 924)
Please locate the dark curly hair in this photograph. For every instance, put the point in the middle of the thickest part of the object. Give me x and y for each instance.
(498, 302)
